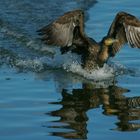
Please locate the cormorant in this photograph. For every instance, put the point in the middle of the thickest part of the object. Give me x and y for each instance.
(68, 32)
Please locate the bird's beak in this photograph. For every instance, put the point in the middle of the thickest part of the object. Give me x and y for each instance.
(115, 40)
(110, 41)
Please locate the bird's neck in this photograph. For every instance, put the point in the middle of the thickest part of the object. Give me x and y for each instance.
(103, 54)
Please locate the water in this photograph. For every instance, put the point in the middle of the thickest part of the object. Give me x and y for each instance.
(44, 95)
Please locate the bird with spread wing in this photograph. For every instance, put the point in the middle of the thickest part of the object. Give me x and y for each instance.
(68, 32)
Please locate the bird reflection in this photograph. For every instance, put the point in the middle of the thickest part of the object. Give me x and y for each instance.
(76, 102)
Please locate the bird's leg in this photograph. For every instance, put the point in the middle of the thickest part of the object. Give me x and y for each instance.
(103, 55)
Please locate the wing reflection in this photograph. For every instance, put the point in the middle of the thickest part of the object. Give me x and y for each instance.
(77, 102)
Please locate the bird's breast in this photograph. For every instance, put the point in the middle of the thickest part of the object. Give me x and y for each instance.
(103, 55)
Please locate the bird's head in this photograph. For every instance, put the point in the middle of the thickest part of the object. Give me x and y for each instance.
(108, 41)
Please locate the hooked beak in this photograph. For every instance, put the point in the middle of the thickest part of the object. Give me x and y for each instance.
(115, 40)
(110, 41)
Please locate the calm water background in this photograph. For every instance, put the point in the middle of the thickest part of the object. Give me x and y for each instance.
(40, 102)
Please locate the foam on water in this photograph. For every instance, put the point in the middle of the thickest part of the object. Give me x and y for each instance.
(103, 73)
(69, 62)
(32, 65)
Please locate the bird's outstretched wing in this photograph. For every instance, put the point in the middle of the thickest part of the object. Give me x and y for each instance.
(125, 28)
(64, 31)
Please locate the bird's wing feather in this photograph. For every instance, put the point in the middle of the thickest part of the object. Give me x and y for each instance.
(61, 31)
(133, 35)
(125, 28)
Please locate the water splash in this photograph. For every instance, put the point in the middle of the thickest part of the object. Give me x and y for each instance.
(72, 63)
(69, 62)
(99, 74)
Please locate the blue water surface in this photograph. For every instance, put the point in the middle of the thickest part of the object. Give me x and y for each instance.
(42, 102)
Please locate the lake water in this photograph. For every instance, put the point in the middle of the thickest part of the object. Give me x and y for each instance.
(44, 95)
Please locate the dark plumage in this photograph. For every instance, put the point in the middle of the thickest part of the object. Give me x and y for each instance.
(125, 28)
(68, 33)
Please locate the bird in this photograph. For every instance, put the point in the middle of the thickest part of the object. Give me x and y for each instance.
(67, 32)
